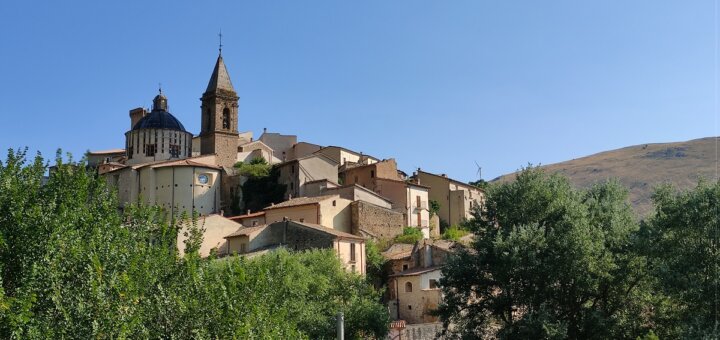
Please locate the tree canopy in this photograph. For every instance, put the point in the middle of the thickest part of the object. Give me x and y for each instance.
(73, 266)
(548, 261)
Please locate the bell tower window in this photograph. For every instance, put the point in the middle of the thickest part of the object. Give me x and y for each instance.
(226, 118)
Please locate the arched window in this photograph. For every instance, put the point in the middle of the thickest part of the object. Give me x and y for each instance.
(408, 287)
(226, 118)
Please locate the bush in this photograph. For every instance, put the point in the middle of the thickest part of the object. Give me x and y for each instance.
(454, 233)
(410, 235)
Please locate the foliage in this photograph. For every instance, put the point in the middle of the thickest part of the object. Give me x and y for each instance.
(375, 263)
(480, 184)
(257, 168)
(549, 261)
(454, 233)
(434, 207)
(72, 266)
(410, 235)
(260, 192)
(683, 244)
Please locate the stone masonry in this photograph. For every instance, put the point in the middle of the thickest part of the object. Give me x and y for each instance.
(376, 221)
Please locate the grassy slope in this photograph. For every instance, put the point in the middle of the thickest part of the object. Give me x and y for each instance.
(642, 167)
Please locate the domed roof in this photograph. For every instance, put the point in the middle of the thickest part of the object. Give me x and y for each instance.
(159, 120)
(159, 117)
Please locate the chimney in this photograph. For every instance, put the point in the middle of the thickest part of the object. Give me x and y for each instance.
(136, 114)
(222, 212)
(248, 212)
(444, 175)
(289, 196)
(264, 130)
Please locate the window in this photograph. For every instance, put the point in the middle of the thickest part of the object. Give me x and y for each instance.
(372, 173)
(174, 150)
(130, 152)
(409, 307)
(405, 267)
(334, 203)
(356, 179)
(292, 186)
(150, 149)
(226, 118)
(433, 284)
(242, 248)
(418, 201)
(302, 220)
(352, 268)
(408, 287)
(352, 252)
(254, 223)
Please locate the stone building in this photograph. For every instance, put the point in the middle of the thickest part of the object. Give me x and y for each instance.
(296, 173)
(415, 272)
(297, 235)
(331, 211)
(457, 199)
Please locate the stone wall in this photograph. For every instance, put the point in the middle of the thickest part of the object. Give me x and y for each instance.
(375, 220)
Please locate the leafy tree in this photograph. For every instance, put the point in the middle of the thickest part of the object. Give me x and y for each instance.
(548, 261)
(434, 207)
(257, 168)
(375, 263)
(410, 235)
(72, 266)
(260, 192)
(683, 245)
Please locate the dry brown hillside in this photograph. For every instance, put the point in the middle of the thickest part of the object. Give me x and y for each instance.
(642, 167)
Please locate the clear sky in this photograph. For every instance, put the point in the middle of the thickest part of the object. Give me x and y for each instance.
(435, 84)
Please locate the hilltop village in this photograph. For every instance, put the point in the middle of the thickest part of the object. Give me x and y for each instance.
(253, 195)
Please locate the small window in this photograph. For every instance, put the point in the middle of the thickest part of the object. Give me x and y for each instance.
(408, 287)
(352, 268)
(150, 149)
(352, 252)
(174, 150)
(434, 284)
(409, 307)
(334, 203)
(226, 119)
(405, 267)
(372, 173)
(356, 179)
(254, 223)
(302, 220)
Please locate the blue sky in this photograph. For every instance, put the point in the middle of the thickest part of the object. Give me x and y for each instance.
(435, 84)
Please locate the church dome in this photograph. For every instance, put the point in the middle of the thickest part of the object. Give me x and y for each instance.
(159, 117)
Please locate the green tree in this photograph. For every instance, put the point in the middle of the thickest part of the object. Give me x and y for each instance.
(548, 261)
(257, 168)
(683, 245)
(72, 266)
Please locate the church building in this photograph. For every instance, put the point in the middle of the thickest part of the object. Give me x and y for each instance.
(159, 165)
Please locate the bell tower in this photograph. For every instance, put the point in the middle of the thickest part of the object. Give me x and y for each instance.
(219, 126)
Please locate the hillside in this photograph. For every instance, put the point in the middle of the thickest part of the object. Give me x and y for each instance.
(642, 167)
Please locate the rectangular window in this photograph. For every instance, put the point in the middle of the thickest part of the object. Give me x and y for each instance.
(150, 149)
(174, 150)
(434, 284)
(372, 173)
(352, 252)
(130, 152)
(418, 202)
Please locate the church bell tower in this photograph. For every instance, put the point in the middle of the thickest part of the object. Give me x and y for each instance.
(219, 126)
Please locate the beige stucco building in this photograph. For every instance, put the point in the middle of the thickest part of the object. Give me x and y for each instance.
(343, 156)
(181, 186)
(300, 236)
(295, 174)
(457, 199)
(330, 211)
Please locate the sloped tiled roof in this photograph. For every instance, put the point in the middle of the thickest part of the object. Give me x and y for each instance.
(327, 230)
(398, 251)
(301, 201)
(246, 231)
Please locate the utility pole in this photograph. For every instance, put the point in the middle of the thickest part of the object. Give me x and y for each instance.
(340, 326)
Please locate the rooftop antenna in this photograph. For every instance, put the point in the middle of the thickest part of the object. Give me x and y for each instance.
(220, 36)
(479, 170)
(160, 88)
